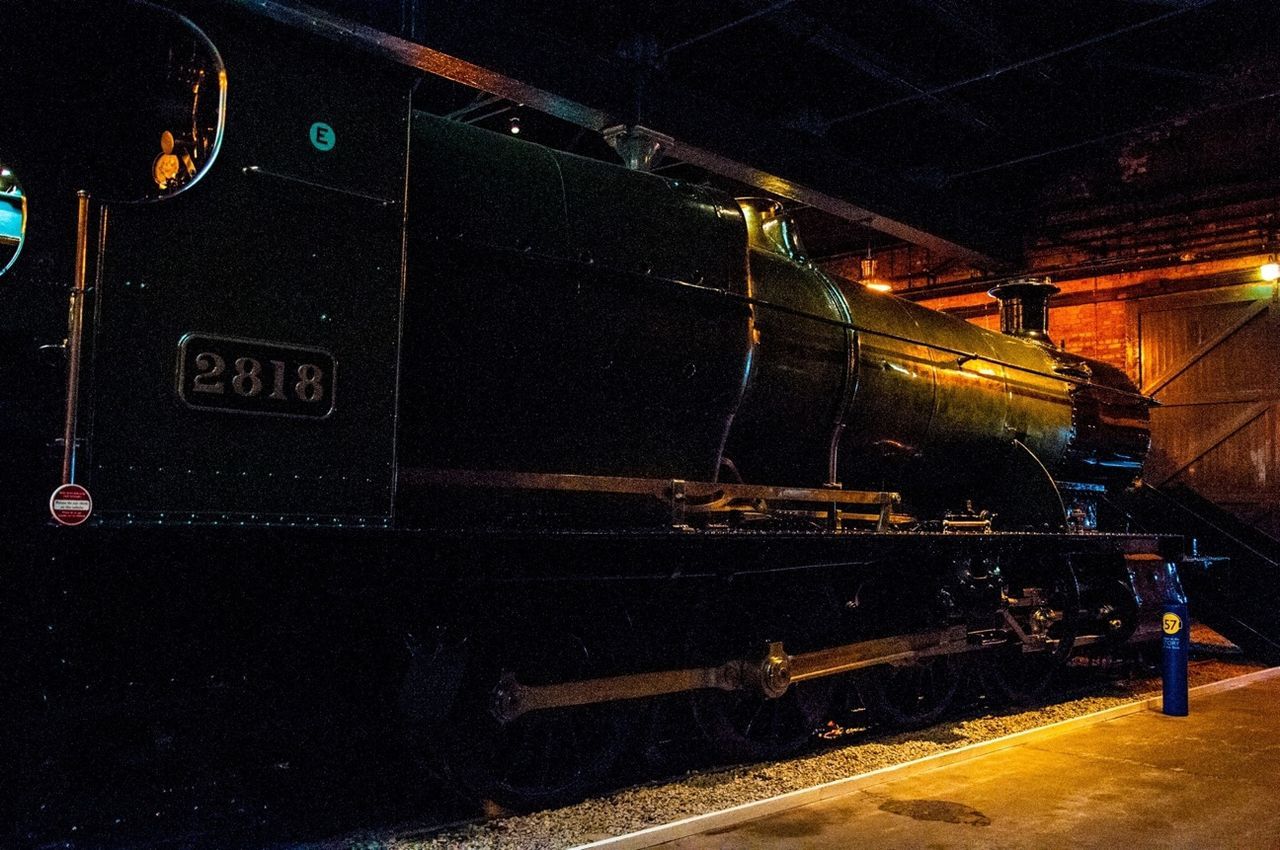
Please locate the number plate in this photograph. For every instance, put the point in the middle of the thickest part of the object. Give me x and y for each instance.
(252, 376)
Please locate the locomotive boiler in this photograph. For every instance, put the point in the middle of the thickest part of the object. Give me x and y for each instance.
(641, 327)
(588, 442)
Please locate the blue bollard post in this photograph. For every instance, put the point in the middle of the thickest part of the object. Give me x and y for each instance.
(1176, 648)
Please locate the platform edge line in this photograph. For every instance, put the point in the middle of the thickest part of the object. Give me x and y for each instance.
(694, 824)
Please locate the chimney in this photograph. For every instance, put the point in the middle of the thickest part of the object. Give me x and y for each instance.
(1024, 307)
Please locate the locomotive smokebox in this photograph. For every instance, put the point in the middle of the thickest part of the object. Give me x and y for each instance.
(1024, 307)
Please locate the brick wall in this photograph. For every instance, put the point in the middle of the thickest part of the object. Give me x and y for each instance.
(1091, 316)
(1095, 329)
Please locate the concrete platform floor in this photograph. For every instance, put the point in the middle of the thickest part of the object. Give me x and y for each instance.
(1210, 780)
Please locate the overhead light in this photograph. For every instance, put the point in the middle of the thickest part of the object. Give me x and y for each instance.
(1270, 270)
(515, 126)
(867, 268)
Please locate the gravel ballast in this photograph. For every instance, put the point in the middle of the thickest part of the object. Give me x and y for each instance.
(852, 753)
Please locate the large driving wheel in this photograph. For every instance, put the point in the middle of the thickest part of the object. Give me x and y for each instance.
(746, 726)
(912, 695)
(1011, 673)
(542, 758)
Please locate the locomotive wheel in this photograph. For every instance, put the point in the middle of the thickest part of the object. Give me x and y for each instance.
(911, 695)
(543, 758)
(745, 726)
(1009, 674)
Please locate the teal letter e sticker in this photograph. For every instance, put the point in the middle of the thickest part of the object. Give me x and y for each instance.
(322, 136)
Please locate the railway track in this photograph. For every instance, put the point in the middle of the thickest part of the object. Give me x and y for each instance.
(357, 796)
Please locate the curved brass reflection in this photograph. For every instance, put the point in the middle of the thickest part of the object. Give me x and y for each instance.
(13, 218)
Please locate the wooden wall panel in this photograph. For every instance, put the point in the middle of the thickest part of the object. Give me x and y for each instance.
(1213, 361)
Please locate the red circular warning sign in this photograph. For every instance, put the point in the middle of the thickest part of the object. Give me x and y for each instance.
(70, 504)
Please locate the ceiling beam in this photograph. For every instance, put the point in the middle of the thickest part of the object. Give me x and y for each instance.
(1027, 62)
(862, 58)
(595, 92)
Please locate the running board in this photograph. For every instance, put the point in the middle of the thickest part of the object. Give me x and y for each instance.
(684, 498)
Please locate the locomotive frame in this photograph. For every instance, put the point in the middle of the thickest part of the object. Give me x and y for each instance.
(539, 391)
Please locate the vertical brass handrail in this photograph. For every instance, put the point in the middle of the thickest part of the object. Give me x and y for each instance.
(75, 332)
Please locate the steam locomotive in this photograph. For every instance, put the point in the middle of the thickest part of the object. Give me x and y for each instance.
(534, 442)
